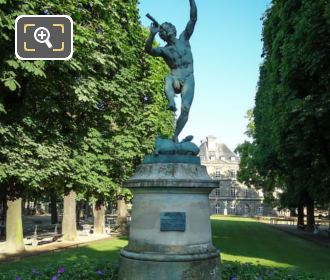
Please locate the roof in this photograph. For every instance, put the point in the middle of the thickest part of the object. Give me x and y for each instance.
(209, 147)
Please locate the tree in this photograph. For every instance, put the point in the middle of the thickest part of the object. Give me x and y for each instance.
(248, 169)
(291, 114)
(80, 125)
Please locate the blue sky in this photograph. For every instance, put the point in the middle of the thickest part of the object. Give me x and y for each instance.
(227, 50)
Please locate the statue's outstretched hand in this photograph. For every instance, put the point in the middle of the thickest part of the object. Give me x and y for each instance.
(154, 29)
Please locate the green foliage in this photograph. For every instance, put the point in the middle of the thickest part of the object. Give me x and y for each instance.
(291, 140)
(239, 271)
(85, 269)
(248, 171)
(107, 270)
(85, 123)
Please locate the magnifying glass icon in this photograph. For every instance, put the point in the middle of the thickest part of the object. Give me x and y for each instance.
(41, 35)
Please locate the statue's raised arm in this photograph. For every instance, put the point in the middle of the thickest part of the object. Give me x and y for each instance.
(186, 34)
(154, 29)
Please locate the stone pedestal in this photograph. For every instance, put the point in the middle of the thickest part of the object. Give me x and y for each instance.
(170, 232)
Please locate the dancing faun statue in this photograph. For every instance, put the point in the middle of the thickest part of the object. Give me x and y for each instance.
(177, 55)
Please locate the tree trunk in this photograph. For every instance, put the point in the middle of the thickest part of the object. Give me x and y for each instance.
(122, 215)
(4, 209)
(293, 212)
(79, 210)
(14, 227)
(300, 222)
(99, 217)
(35, 208)
(23, 207)
(53, 207)
(310, 214)
(88, 211)
(28, 207)
(329, 217)
(69, 227)
(3, 216)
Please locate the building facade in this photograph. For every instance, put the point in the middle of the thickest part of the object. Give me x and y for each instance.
(232, 197)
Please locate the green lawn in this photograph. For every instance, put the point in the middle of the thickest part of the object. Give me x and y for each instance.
(246, 240)
(102, 250)
(239, 239)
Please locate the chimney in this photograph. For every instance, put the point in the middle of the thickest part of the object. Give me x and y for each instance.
(211, 143)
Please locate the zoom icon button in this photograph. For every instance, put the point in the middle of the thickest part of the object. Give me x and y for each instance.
(39, 35)
(43, 37)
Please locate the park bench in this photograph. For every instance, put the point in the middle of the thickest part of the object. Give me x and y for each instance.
(86, 230)
(323, 222)
(50, 236)
(288, 220)
(45, 237)
(111, 221)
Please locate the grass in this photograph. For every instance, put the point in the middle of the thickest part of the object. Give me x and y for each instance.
(248, 241)
(102, 250)
(239, 239)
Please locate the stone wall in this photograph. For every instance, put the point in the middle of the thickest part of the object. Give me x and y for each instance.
(233, 198)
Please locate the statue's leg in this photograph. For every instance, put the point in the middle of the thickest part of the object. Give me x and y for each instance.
(186, 101)
(169, 92)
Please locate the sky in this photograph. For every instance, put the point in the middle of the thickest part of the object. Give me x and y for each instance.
(227, 48)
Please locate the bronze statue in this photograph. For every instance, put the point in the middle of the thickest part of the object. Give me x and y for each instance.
(177, 54)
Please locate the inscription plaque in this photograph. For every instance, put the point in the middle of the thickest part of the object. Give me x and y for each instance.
(172, 221)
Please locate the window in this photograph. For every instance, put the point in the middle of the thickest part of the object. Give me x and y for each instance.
(223, 158)
(261, 210)
(233, 191)
(217, 209)
(246, 209)
(246, 193)
(212, 157)
(232, 173)
(217, 192)
(232, 158)
(217, 173)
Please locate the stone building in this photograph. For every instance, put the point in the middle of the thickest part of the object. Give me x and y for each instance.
(232, 197)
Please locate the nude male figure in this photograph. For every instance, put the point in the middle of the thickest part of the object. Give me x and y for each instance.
(177, 54)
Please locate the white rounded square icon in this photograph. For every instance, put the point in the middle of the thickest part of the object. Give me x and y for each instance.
(44, 37)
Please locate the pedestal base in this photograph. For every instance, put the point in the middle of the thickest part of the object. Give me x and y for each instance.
(170, 231)
(190, 267)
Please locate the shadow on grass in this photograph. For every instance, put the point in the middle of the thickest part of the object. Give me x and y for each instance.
(99, 250)
(248, 241)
